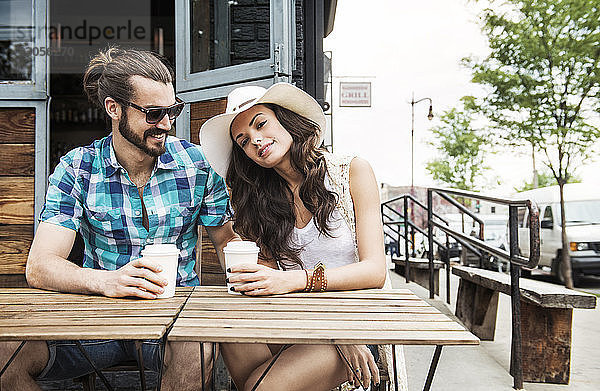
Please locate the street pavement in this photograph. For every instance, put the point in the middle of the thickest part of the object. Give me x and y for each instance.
(485, 367)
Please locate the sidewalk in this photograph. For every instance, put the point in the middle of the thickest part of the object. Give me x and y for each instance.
(485, 367)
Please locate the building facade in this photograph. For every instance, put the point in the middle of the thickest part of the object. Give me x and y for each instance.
(214, 45)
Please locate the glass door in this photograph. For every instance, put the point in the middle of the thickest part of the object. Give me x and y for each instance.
(24, 52)
(23, 129)
(222, 44)
(23, 49)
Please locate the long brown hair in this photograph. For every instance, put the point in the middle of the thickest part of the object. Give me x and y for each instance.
(262, 200)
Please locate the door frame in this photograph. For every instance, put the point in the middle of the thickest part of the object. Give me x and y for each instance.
(217, 83)
(34, 94)
(37, 87)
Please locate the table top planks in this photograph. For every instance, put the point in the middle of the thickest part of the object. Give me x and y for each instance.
(35, 314)
(211, 314)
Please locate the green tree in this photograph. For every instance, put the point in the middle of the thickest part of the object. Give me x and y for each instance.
(545, 179)
(543, 79)
(462, 149)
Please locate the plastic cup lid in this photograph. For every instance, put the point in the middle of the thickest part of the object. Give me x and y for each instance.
(160, 249)
(241, 246)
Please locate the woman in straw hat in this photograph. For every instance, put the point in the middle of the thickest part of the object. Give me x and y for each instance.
(315, 216)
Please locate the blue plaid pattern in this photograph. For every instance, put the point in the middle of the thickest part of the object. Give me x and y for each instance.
(90, 192)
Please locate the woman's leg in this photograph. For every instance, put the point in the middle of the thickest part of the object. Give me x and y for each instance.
(242, 359)
(301, 367)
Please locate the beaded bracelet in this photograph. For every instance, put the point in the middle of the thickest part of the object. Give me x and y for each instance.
(308, 281)
(321, 279)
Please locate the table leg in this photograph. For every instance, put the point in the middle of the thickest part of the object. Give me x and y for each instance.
(96, 370)
(433, 367)
(349, 366)
(214, 364)
(268, 368)
(162, 361)
(395, 380)
(11, 359)
(202, 364)
(138, 347)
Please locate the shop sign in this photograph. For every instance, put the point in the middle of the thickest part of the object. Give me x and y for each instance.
(355, 94)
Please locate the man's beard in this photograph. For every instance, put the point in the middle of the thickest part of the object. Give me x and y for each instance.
(140, 142)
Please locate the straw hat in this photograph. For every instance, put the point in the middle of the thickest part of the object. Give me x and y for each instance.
(214, 134)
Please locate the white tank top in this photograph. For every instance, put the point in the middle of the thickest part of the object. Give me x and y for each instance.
(334, 251)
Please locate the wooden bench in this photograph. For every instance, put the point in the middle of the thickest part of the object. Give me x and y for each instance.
(419, 271)
(546, 318)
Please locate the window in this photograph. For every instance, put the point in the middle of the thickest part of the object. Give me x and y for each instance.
(225, 33)
(226, 43)
(548, 213)
(523, 222)
(16, 40)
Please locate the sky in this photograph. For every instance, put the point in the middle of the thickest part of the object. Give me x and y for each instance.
(402, 48)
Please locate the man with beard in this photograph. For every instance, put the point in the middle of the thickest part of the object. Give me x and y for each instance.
(134, 187)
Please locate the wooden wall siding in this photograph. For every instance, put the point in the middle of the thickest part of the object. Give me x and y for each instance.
(16, 200)
(17, 170)
(200, 112)
(17, 159)
(17, 126)
(211, 272)
(15, 241)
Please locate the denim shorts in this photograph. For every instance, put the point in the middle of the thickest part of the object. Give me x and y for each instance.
(374, 352)
(66, 361)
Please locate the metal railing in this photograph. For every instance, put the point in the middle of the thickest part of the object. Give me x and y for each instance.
(512, 256)
(396, 220)
(393, 220)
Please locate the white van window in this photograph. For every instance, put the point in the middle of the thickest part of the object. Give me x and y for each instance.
(582, 211)
(521, 217)
(548, 213)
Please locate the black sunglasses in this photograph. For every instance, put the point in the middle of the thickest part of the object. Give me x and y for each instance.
(155, 114)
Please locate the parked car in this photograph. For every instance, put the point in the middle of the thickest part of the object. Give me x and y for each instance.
(495, 234)
(582, 217)
(455, 222)
(454, 250)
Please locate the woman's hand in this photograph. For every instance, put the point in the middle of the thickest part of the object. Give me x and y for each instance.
(258, 280)
(362, 362)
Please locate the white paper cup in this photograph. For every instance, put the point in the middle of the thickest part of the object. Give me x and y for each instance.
(167, 256)
(239, 252)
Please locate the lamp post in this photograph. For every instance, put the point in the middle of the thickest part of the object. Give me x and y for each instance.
(412, 160)
(412, 136)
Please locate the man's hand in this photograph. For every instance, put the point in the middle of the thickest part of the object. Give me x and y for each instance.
(258, 280)
(137, 278)
(362, 362)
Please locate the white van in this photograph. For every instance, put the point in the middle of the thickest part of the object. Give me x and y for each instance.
(582, 215)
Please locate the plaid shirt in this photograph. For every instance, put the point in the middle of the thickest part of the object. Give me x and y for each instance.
(91, 192)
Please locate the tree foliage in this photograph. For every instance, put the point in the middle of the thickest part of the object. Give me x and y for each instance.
(462, 149)
(545, 179)
(543, 78)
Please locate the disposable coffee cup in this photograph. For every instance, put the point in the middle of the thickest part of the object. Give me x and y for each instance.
(239, 252)
(167, 256)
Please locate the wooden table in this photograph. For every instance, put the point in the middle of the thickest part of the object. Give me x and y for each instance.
(38, 315)
(396, 317)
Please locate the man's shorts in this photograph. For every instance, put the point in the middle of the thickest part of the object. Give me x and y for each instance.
(66, 361)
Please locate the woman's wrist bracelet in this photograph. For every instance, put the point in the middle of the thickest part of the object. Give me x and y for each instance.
(316, 279)
(321, 279)
(308, 280)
